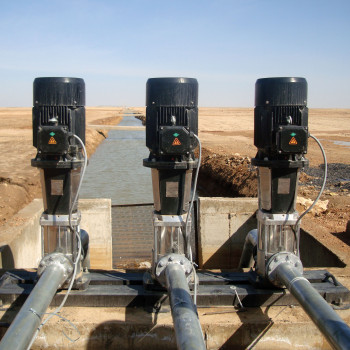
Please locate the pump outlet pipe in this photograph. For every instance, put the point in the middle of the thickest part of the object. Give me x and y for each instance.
(188, 331)
(286, 269)
(250, 243)
(23, 327)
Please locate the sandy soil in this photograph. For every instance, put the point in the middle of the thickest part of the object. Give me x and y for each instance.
(227, 138)
(19, 181)
(235, 126)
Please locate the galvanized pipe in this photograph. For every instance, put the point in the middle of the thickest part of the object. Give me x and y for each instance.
(26, 322)
(188, 330)
(336, 331)
(250, 243)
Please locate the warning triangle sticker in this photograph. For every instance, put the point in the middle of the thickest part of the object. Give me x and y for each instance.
(176, 142)
(52, 141)
(293, 141)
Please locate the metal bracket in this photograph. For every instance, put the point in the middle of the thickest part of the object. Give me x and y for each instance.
(169, 220)
(277, 219)
(60, 220)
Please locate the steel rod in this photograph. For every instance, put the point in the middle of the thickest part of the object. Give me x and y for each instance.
(336, 331)
(188, 330)
(26, 322)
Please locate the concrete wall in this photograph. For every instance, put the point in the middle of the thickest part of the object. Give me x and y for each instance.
(96, 219)
(223, 226)
(272, 328)
(20, 239)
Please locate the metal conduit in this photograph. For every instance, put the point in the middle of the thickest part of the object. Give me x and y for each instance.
(188, 330)
(23, 327)
(325, 318)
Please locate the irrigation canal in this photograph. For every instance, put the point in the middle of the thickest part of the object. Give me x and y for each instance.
(115, 171)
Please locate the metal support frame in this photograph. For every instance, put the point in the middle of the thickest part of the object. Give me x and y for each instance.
(59, 236)
(121, 289)
(276, 233)
(168, 237)
(62, 238)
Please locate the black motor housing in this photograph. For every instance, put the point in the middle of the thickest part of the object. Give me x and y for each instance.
(281, 116)
(171, 123)
(171, 116)
(281, 136)
(58, 112)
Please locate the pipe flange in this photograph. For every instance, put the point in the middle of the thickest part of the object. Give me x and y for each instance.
(162, 264)
(59, 260)
(282, 258)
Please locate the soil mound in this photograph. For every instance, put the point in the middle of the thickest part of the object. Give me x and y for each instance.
(223, 175)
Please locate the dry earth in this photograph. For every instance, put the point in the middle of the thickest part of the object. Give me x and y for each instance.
(227, 138)
(19, 181)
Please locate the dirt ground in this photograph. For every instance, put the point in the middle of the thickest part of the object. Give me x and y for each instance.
(227, 138)
(19, 181)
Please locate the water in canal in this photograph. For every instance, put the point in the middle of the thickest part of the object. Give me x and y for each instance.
(115, 170)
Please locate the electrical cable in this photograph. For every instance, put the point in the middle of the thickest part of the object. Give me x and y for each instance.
(80, 182)
(323, 183)
(187, 235)
(193, 193)
(76, 262)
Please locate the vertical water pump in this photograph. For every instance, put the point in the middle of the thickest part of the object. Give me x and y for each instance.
(171, 129)
(281, 135)
(59, 136)
(171, 136)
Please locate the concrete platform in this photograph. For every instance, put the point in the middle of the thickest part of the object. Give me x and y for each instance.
(275, 328)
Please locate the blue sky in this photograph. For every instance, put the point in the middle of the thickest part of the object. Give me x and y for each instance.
(115, 46)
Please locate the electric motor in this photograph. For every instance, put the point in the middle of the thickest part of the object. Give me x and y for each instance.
(58, 112)
(171, 123)
(281, 116)
(171, 116)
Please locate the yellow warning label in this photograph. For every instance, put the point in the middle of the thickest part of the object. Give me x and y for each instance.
(52, 141)
(293, 141)
(176, 142)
